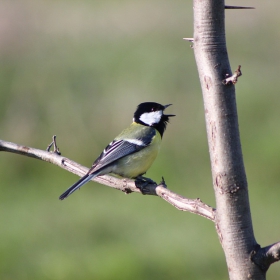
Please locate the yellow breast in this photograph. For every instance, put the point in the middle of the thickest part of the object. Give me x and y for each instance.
(138, 163)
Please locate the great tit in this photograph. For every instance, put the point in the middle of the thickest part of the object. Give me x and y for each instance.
(133, 151)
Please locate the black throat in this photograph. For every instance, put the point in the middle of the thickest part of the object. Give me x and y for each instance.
(160, 127)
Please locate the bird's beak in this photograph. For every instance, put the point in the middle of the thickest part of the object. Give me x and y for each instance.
(166, 107)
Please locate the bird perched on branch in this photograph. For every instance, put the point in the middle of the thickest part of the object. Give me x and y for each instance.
(133, 151)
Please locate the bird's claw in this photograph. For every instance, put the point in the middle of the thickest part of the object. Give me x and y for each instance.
(142, 184)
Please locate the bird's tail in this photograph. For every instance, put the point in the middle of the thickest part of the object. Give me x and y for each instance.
(77, 185)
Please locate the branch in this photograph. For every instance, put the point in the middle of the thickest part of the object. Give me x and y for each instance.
(232, 80)
(264, 257)
(195, 206)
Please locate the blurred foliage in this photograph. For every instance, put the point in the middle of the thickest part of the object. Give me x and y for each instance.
(78, 69)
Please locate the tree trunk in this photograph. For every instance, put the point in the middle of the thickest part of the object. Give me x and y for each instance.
(233, 217)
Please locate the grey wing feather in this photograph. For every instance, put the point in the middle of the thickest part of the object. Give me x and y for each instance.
(114, 151)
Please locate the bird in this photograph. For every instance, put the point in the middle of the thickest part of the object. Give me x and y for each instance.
(134, 150)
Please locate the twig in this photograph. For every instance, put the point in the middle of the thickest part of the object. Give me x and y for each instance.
(264, 257)
(234, 78)
(238, 7)
(55, 148)
(126, 185)
(189, 39)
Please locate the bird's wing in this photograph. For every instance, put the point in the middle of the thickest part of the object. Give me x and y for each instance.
(114, 151)
(119, 149)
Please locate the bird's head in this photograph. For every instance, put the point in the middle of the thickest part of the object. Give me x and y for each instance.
(151, 114)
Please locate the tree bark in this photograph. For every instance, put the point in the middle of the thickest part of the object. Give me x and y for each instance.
(233, 217)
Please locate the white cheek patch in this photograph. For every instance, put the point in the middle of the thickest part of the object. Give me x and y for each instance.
(151, 117)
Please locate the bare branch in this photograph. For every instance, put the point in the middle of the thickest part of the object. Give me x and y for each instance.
(264, 257)
(195, 206)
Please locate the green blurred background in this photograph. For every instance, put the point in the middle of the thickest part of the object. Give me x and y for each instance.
(78, 69)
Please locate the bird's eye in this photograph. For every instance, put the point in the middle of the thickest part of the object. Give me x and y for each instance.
(153, 109)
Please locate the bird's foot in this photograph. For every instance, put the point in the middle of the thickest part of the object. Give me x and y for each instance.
(143, 183)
